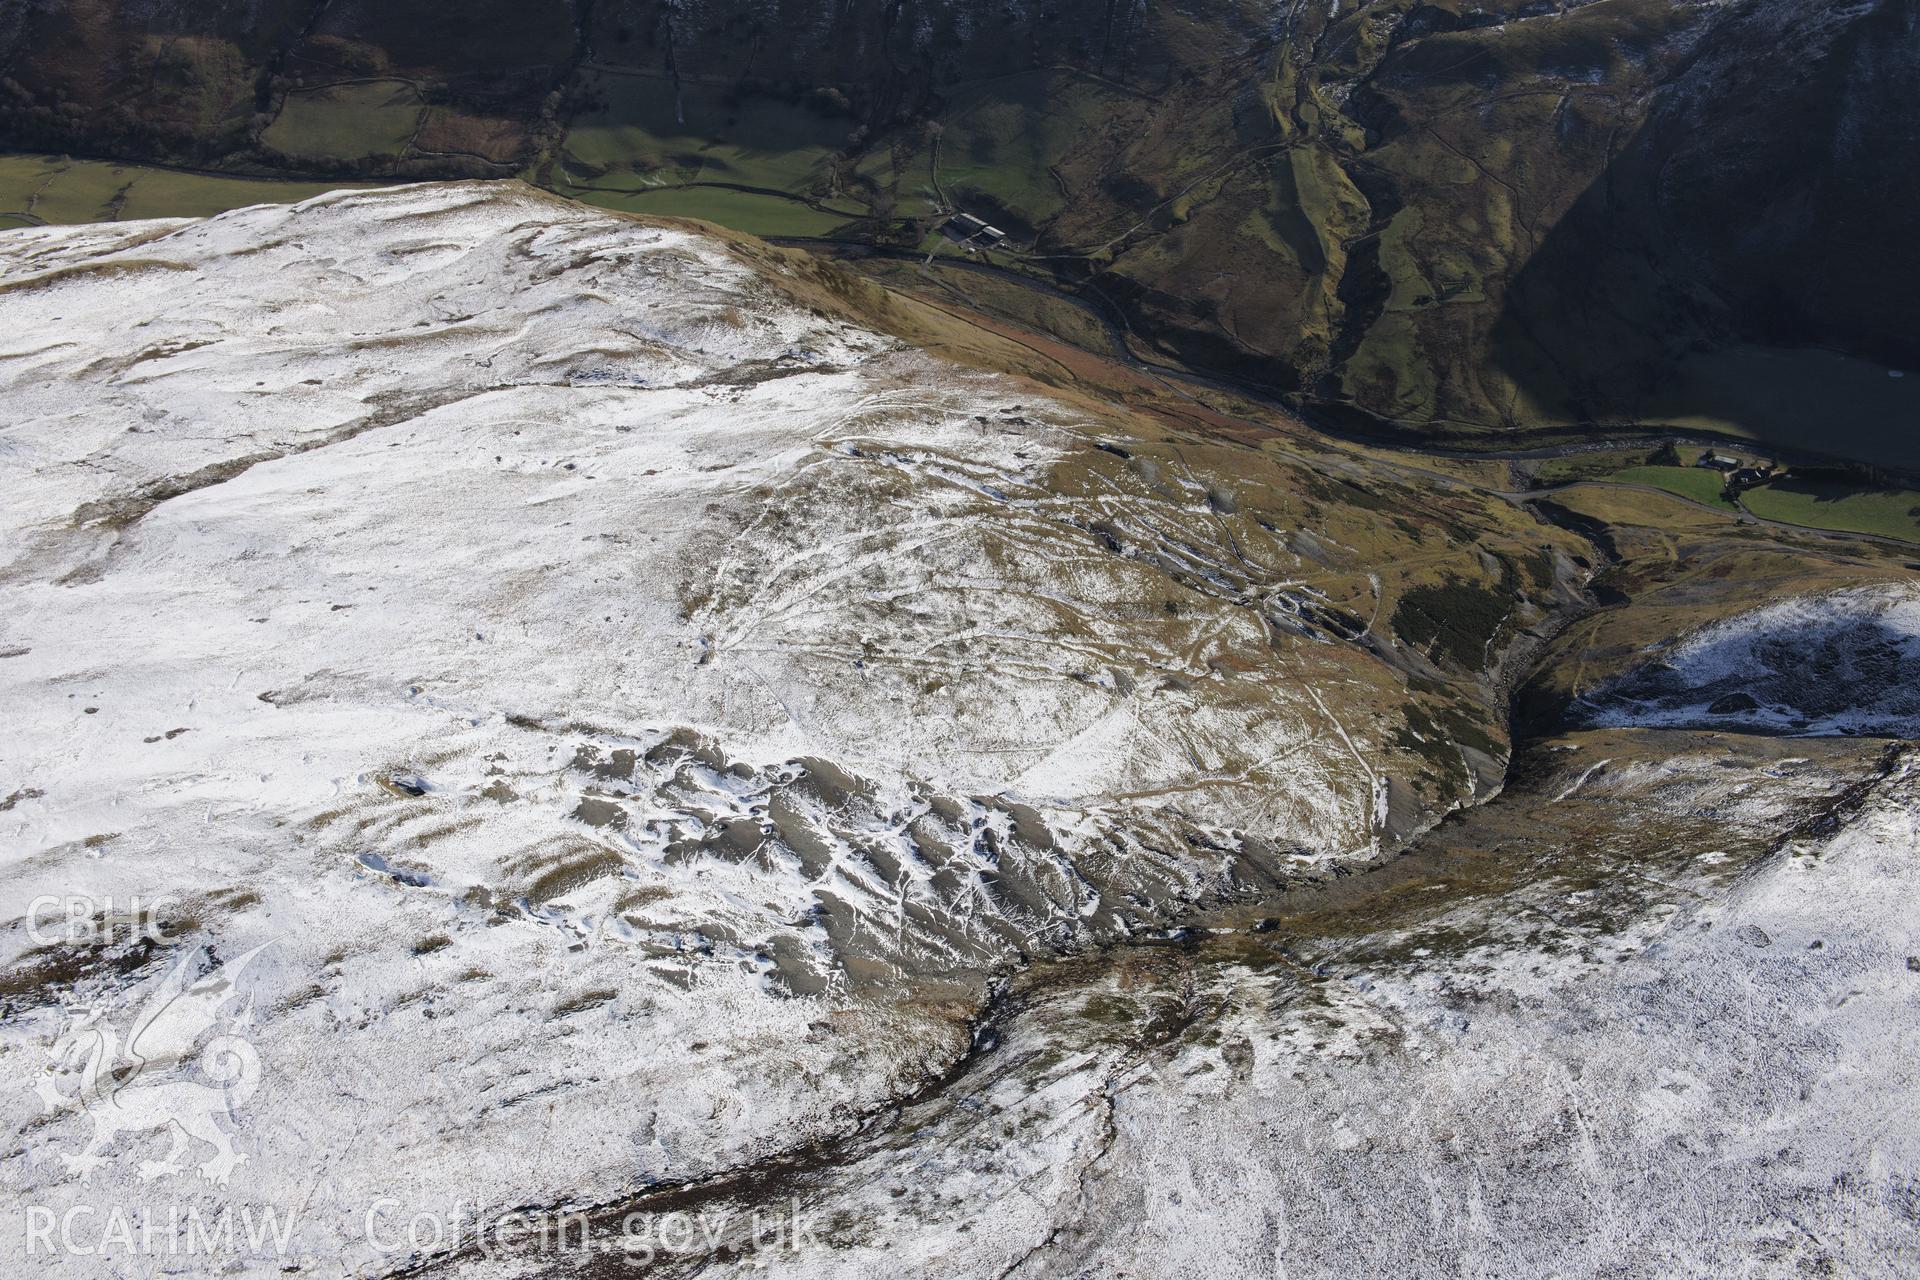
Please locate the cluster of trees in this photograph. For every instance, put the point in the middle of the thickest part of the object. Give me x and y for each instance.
(60, 124)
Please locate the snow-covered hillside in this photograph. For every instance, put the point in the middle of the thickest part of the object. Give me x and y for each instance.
(597, 676)
(1723, 1088)
(503, 704)
(1843, 662)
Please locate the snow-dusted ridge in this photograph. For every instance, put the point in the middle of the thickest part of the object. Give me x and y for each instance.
(596, 676)
(1843, 662)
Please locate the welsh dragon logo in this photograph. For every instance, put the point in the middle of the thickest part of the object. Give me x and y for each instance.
(169, 1036)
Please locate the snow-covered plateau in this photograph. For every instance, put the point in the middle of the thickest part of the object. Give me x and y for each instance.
(504, 705)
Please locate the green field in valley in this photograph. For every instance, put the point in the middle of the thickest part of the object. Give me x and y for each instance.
(760, 215)
(347, 121)
(1597, 464)
(683, 151)
(1889, 513)
(996, 150)
(1701, 484)
(651, 131)
(54, 189)
(1823, 502)
(1002, 139)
